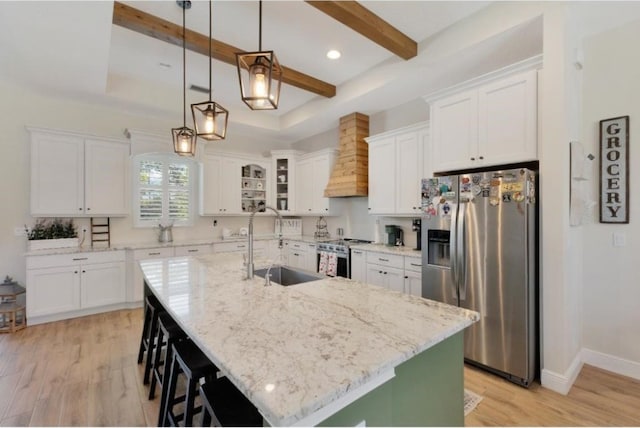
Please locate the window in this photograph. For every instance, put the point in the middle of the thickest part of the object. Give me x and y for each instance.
(163, 190)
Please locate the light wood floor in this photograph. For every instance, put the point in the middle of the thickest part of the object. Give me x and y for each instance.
(83, 372)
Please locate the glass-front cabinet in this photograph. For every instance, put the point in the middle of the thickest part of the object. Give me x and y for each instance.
(254, 188)
(283, 164)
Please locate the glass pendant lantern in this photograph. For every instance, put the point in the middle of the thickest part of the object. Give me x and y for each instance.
(184, 140)
(260, 76)
(210, 118)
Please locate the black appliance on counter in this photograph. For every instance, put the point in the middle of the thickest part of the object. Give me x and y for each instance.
(341, 248)
(417, 227)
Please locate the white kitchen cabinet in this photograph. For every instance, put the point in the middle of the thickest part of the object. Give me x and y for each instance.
(491, 124)
(220, 185)
(274, 252)
(74, 175)
(396, 167)
(312, 175)
(382, 175)
(283, 165)
(64, 285)
(297, 254)
(311, 260)
(136, 289)
(384, 276)
(358, 265)
(413, 276)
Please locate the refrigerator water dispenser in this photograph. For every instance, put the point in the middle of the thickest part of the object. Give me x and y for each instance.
(438, 248)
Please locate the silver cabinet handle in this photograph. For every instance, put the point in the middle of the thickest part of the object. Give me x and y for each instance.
(154, 254)
(416, 265)
(383, 260)
(192, 251)
(80, 258)
(357, 252)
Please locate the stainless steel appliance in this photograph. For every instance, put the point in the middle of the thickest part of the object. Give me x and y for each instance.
(341, 248)
(479, 245)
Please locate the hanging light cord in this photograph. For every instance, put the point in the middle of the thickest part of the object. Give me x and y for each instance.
(184, 69)
(260, 27)
(210, 24)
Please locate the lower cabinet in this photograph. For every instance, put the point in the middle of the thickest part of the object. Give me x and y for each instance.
(136, 290)
(57, 284)
(301, 255)
(358, 265)
(384, 276)
(413, 276)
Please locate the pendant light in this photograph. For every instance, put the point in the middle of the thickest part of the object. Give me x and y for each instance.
(260, 75)
(210, 118)
(184, 140)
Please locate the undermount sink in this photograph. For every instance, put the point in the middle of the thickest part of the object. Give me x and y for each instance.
(287, 276)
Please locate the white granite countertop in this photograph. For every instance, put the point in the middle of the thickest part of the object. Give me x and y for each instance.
(382, 248)
(294, 350)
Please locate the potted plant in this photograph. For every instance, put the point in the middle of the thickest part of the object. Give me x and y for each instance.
(55, 233)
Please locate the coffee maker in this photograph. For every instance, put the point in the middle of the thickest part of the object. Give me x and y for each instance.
(416, 226)
(394, 234)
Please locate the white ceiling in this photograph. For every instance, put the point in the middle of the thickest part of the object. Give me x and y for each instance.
(72, 49)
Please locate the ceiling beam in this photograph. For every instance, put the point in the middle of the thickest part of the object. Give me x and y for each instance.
(362, 20)
(152, 26)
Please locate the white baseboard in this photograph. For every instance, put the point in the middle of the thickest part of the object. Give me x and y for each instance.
(562, 383)
(35, 320)
(611, 363)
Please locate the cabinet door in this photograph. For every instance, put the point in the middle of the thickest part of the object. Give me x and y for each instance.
(382, 176)
(136, 292)
(408, 173)
(358, 266)
(57, 175)
(102, 284)
(375, 275)
(297, 258)
(454, 130)
(507, 120)
(394, 279)
(231, 186)
(53, 290)
(304, 187)
(311, 258)
(210, 186)
(321, 172)
(193, 250)
(413, 283)
(106, 167)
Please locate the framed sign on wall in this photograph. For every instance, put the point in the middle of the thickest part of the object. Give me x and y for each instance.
(614, 170)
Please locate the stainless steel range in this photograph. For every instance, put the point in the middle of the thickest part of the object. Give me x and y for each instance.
(341, 248)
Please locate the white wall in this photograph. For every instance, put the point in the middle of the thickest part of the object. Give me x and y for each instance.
(611, 293)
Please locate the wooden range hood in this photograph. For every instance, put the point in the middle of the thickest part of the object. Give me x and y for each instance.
(350, 174)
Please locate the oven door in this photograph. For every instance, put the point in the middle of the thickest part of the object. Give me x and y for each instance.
(342, 268)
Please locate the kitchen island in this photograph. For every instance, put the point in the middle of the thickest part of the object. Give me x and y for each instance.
(326, 352)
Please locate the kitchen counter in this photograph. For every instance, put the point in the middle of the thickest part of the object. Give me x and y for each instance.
(304, 352)
(382, 248)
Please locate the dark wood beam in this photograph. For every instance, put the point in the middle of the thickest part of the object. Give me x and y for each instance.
(152, 26)
(360, 19)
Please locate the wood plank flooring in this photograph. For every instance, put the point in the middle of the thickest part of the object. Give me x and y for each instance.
(83, 372)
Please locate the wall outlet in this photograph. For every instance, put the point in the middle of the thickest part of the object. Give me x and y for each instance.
(19, 231)
(619, 240)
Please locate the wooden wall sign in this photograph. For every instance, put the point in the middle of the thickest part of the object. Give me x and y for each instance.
(614, 170)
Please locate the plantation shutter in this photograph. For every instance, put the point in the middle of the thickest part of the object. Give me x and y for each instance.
(150, 190)
(178, 192)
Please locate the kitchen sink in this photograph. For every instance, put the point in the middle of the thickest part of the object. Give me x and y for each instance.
(287, 276)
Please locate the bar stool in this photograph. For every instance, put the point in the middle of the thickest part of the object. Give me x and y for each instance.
(152, 310)
(187, 359)
(169, 332)
(232, 408)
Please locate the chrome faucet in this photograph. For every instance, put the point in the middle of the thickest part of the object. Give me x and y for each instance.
(250, 238)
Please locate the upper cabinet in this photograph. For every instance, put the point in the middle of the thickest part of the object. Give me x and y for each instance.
(73, 175)
(283, 164)
(398, 160)
(232, 185)
(490, 124)
(312, 175)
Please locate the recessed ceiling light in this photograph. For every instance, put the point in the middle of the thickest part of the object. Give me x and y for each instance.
(333, 54)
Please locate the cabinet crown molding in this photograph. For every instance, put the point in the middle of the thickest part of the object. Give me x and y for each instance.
(533, 63)
(420, 126)
(83, 135)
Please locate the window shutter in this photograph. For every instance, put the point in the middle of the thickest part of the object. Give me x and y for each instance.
(178, 190)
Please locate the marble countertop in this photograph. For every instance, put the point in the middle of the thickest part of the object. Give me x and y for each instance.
(382, 248)
(295, 350)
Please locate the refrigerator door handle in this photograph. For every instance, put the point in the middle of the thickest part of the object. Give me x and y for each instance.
(461, 253)
(453, 251)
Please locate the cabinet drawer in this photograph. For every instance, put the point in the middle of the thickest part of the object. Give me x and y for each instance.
(193, 250)
(224, 247)
(39, 262)
(301, 246)
(413, 264)
(384, 259)
(153, 253)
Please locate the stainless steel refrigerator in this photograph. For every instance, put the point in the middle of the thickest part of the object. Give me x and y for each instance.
(479, 245)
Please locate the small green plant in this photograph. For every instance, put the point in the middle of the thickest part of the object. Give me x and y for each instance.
(51, 229)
